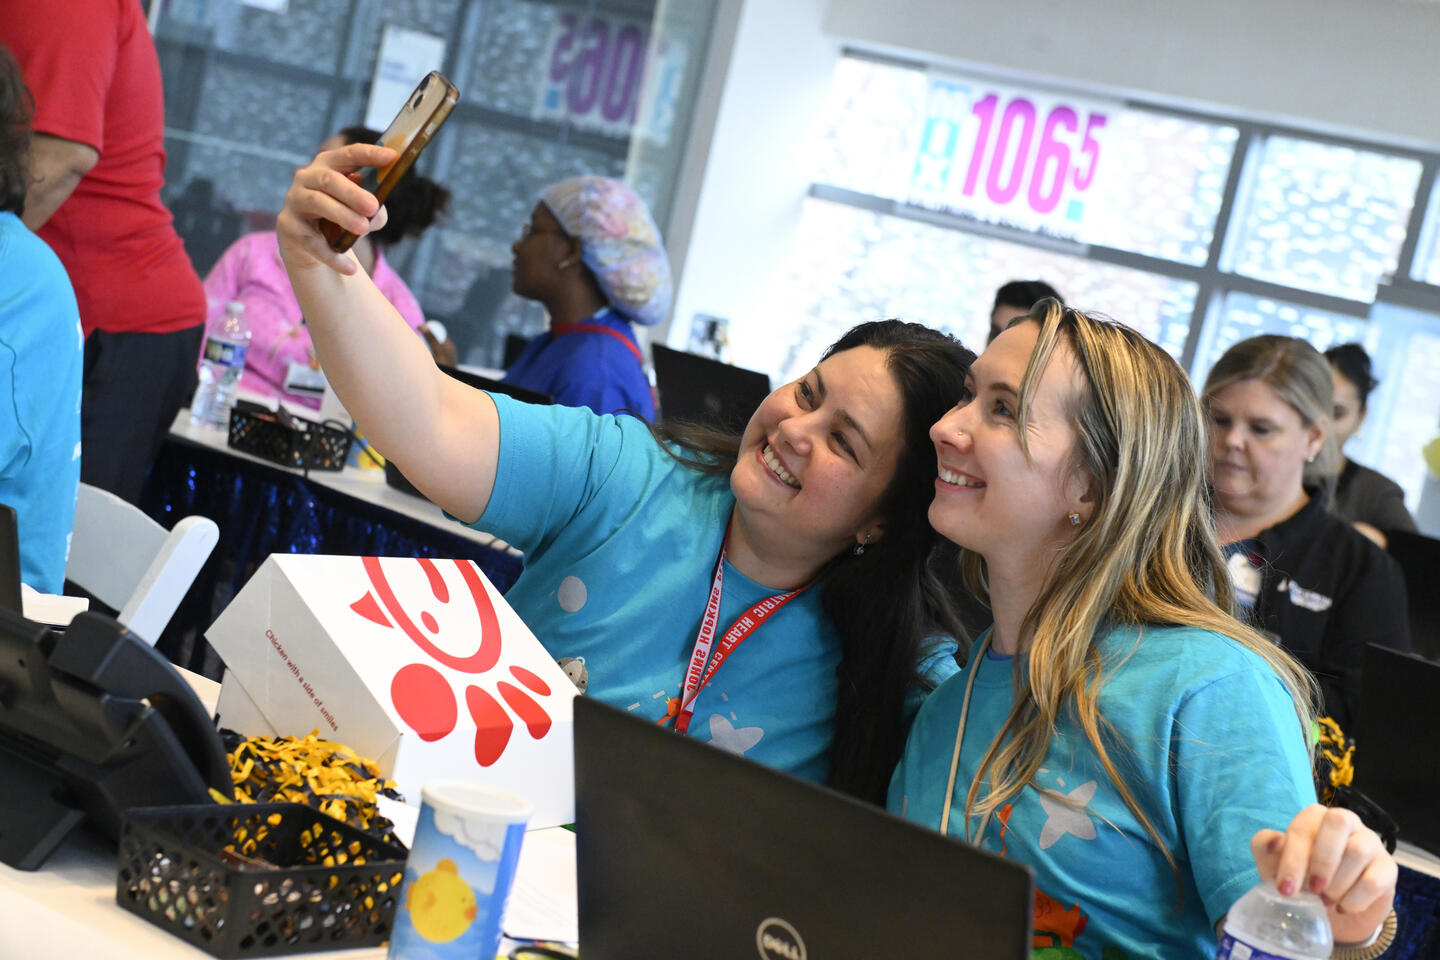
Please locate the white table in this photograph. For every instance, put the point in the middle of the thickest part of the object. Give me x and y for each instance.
(67, 911)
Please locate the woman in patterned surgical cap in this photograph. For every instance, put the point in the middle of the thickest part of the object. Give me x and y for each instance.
(591, 254)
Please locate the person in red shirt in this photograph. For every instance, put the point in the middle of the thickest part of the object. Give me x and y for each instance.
(97, 164)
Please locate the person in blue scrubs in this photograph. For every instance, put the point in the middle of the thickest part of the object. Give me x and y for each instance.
(591, 255)
(1117, 729)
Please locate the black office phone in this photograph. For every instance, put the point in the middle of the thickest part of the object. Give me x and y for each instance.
(92, 722)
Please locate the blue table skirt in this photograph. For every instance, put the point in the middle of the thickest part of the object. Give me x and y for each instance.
(263, 510)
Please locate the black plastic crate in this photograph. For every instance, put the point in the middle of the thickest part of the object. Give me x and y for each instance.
(286, 440)
(295, 880)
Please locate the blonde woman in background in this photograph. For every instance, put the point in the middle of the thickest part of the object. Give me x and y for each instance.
(1301, 573)
(1116, 729)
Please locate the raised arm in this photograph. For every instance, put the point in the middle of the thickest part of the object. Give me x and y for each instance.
(443, 434)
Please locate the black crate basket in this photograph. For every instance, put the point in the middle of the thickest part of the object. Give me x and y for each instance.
(294, 881)
(286, 440)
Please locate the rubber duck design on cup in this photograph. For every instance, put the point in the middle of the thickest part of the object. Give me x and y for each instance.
(423, 696)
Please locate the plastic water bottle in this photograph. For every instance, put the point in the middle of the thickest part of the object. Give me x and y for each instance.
(221, 362)
(1263, 925)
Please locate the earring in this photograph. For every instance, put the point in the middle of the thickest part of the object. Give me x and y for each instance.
(1310, 459)
(1074, 519)
(860, 547)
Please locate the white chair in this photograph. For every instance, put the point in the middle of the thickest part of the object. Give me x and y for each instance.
(130, 562)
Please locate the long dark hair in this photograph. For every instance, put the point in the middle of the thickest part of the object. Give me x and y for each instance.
(887, 602)
(414, 204)
(15, 109)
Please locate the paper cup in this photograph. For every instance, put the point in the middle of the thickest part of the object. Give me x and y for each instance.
(460, 871)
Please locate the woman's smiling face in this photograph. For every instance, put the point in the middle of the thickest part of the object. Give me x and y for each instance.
(818, 453)
(990, 497)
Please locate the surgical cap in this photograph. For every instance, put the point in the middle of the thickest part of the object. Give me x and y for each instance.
(618, 242)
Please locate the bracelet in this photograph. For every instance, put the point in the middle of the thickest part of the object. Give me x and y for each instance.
(1372, 948)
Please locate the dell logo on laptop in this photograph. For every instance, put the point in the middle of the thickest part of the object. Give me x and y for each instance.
(778, 940)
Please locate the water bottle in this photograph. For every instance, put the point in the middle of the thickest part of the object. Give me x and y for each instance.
(221, 362)
(1263, 925)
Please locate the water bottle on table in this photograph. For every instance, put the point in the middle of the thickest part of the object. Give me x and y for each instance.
(1263, 925)
(221, 362)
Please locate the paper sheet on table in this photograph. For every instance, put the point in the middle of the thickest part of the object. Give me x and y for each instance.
(543, 904)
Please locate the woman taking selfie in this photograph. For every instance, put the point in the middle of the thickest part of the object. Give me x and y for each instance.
(810, 528)
(1301, 573)
(1116, 729)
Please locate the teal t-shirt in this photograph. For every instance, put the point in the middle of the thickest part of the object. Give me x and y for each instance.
(1213, 750)
(620, 545)
(41, 348)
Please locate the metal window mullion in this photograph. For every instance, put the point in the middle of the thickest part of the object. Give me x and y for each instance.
(1405, 263)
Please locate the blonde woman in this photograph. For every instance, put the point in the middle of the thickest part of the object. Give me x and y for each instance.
(1116, 729)
(1301, 573)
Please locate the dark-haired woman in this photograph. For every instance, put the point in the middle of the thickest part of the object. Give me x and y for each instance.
(251, 272)
(1373, 502)
(789, 564)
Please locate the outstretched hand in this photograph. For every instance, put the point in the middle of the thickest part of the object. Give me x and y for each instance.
(326, 189)
(1328, 851)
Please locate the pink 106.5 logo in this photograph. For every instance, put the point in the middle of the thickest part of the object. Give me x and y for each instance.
(1008, 156)
(449, 618)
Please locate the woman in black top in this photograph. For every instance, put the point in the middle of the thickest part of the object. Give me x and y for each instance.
(1365, 497)
(1302, 573)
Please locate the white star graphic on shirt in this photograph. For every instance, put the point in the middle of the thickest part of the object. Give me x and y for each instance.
(724, 735)
(1067, 815)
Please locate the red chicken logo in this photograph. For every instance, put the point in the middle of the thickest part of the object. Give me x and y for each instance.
(423, 696)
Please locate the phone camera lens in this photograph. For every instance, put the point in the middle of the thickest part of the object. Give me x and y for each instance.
(415, 104)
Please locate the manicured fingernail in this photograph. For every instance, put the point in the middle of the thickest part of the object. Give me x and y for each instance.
(1339, 909)
(1326, 900)
(1317, 883)
(1287, 887)
(1274, 845)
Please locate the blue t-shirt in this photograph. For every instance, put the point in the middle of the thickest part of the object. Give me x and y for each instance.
(620, 545)
(1210, 740)
(587, 368)
(41, 350)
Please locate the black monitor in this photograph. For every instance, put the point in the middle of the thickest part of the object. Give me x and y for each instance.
(702, 390)
(92, 722)
(1397, 757)
(1419, 559)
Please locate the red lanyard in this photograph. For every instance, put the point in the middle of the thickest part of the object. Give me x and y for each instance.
(561, 329)
(699, 672)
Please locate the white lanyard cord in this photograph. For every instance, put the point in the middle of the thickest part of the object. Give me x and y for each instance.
(975, 660)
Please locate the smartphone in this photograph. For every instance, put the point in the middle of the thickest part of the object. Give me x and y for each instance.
(407, 135)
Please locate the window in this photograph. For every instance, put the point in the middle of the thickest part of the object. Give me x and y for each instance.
(932, 188)
(1325, 218)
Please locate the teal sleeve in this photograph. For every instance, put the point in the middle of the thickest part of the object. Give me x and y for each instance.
(1241, 765)
(554, 463)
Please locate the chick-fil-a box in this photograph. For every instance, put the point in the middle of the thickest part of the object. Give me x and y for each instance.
(416, 663)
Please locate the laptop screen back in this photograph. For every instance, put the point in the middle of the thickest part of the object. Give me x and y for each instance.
(703, 390)
(1397, 757)
(686, 850)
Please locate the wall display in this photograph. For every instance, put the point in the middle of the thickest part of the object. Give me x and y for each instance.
(608, 74)
(1023, 159)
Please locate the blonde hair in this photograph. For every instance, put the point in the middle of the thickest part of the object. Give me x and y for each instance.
(1147, 555)
(1299, 374)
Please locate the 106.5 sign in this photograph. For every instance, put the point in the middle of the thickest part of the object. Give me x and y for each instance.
(1008, 157)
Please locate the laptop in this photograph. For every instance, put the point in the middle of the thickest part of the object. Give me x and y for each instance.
(1419, 559)
(396, 479)
(686, 850)
(1397, 752)
(703, 390)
